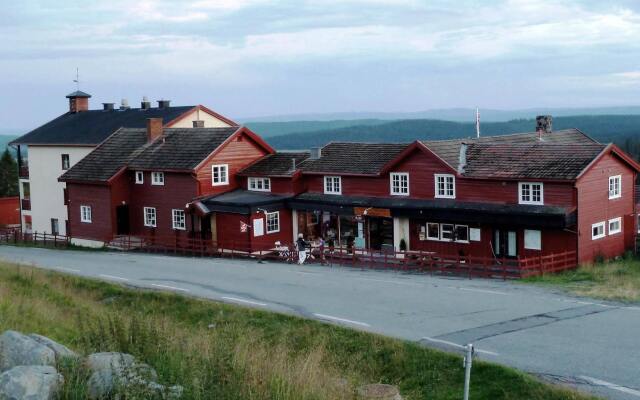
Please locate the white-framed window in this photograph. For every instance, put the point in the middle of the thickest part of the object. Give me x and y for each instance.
(157, 178)
(597, 230)
(85, 214)
(150, 217)
(139, 177)
(66, 163)
(273, 222)
(615, 187)
(530, 193)
(178, 218)
(462, 233)
(259, 184)
(532, 239)
(220, 174)
(445, 186)
(446, 232)
(433, 231)
(399, 182)
(333, 185)
(615, 225)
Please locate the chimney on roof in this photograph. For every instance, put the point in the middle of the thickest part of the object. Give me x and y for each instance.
(145, 104)
(462, 161)
(154, 129)
(78, 101)
(107, 106)
(124, 104)
(316, 152)
(164, 103)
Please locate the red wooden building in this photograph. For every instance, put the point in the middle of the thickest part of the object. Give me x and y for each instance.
(9, 212)
(511, 196)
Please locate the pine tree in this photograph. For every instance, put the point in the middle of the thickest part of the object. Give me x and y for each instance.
(8, 175)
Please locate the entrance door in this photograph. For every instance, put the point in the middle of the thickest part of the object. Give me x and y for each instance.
(122, 220)
(380, 233)
(205, 227)
(505, 243)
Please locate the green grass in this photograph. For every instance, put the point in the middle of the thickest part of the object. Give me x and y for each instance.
(611, 280)
(248, 354)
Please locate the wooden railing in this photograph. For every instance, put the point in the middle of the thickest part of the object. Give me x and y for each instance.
(422, 261)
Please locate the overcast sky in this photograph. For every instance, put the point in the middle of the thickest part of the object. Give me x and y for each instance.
(248, 58)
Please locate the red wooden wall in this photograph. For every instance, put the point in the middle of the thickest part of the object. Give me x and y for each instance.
(98, 197)
(9, 211)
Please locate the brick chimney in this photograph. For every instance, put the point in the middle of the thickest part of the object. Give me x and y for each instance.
(78, 101)
(154, 129)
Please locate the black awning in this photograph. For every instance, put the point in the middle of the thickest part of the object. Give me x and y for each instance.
(441, 210)
(241, 202)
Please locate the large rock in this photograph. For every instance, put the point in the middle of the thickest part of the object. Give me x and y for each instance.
(18, 349)
(60, 350)
(378, 391)
(35, 382)
(111, 361)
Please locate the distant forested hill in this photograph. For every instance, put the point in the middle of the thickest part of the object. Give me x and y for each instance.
(623, 130)
(268, 129)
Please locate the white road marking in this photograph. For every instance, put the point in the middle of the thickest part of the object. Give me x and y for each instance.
(610, 385)
(244, 301)
(479, 290)
(119, 278)
(305, 273)
(394, 282)
(459, 346)
(67, 269)
(348, 321)
(633, 308)
(169, 287)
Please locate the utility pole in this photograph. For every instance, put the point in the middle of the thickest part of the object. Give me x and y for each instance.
(468, 360)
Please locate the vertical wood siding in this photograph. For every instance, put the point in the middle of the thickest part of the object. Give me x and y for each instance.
(98, 197)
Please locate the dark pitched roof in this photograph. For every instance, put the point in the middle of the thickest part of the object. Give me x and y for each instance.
(277, 164)
(449, 150)
(353, 158)
(93, 126)
(539, 160)
(78, 93)
(178, 149)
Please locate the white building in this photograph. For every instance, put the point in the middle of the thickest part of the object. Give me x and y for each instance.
(47, 151)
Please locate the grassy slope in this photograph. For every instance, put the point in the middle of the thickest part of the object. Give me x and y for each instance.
(615, 280)
(249, 354)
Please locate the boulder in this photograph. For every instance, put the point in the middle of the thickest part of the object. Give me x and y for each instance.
(17, 349)
(111, 361)
(60, 350)
(34, 382)
(378, 391)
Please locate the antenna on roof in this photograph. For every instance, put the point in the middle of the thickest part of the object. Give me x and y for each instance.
(477, 122)
(77, 80)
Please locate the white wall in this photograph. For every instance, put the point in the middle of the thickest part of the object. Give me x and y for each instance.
(198, 115)
(47, 194)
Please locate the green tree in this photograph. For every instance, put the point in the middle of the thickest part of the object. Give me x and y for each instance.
(8, 175)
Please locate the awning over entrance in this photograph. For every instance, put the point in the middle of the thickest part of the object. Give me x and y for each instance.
(438, 210)
(239, 202)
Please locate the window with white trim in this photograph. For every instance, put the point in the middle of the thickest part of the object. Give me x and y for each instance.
(139, 177)
(445, 186)
(399, 182)
(532, 239)
(178, 218)
(462, 234)
(530, 193)
(615, 225)
(85, 214)
(157, 178)
(615, 187)
(220, 174)
(259, 184)
(273, 222)
(446, 232)
(333, 185)
(597, 230)
(150, 217)
(433, 231)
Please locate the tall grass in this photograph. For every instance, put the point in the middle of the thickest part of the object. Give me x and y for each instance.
(218, 351)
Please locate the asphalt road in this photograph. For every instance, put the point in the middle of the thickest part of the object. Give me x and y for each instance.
(592, 345)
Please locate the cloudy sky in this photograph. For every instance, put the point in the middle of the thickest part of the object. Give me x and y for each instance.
(248, 58)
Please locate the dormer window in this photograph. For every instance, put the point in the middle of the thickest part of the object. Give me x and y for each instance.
(139, 177)
(157, 178)
(615, 187)
(531, 193)
(399, 182)
(445, 186)
(259, 184)
(333, 185)
(220, 174)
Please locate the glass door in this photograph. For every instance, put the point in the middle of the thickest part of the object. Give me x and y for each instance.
(505, 243)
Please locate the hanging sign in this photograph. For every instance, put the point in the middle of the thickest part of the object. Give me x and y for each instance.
(372, 212)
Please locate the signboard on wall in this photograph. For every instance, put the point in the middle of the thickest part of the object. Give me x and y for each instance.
(258, 227)
(372, 212)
